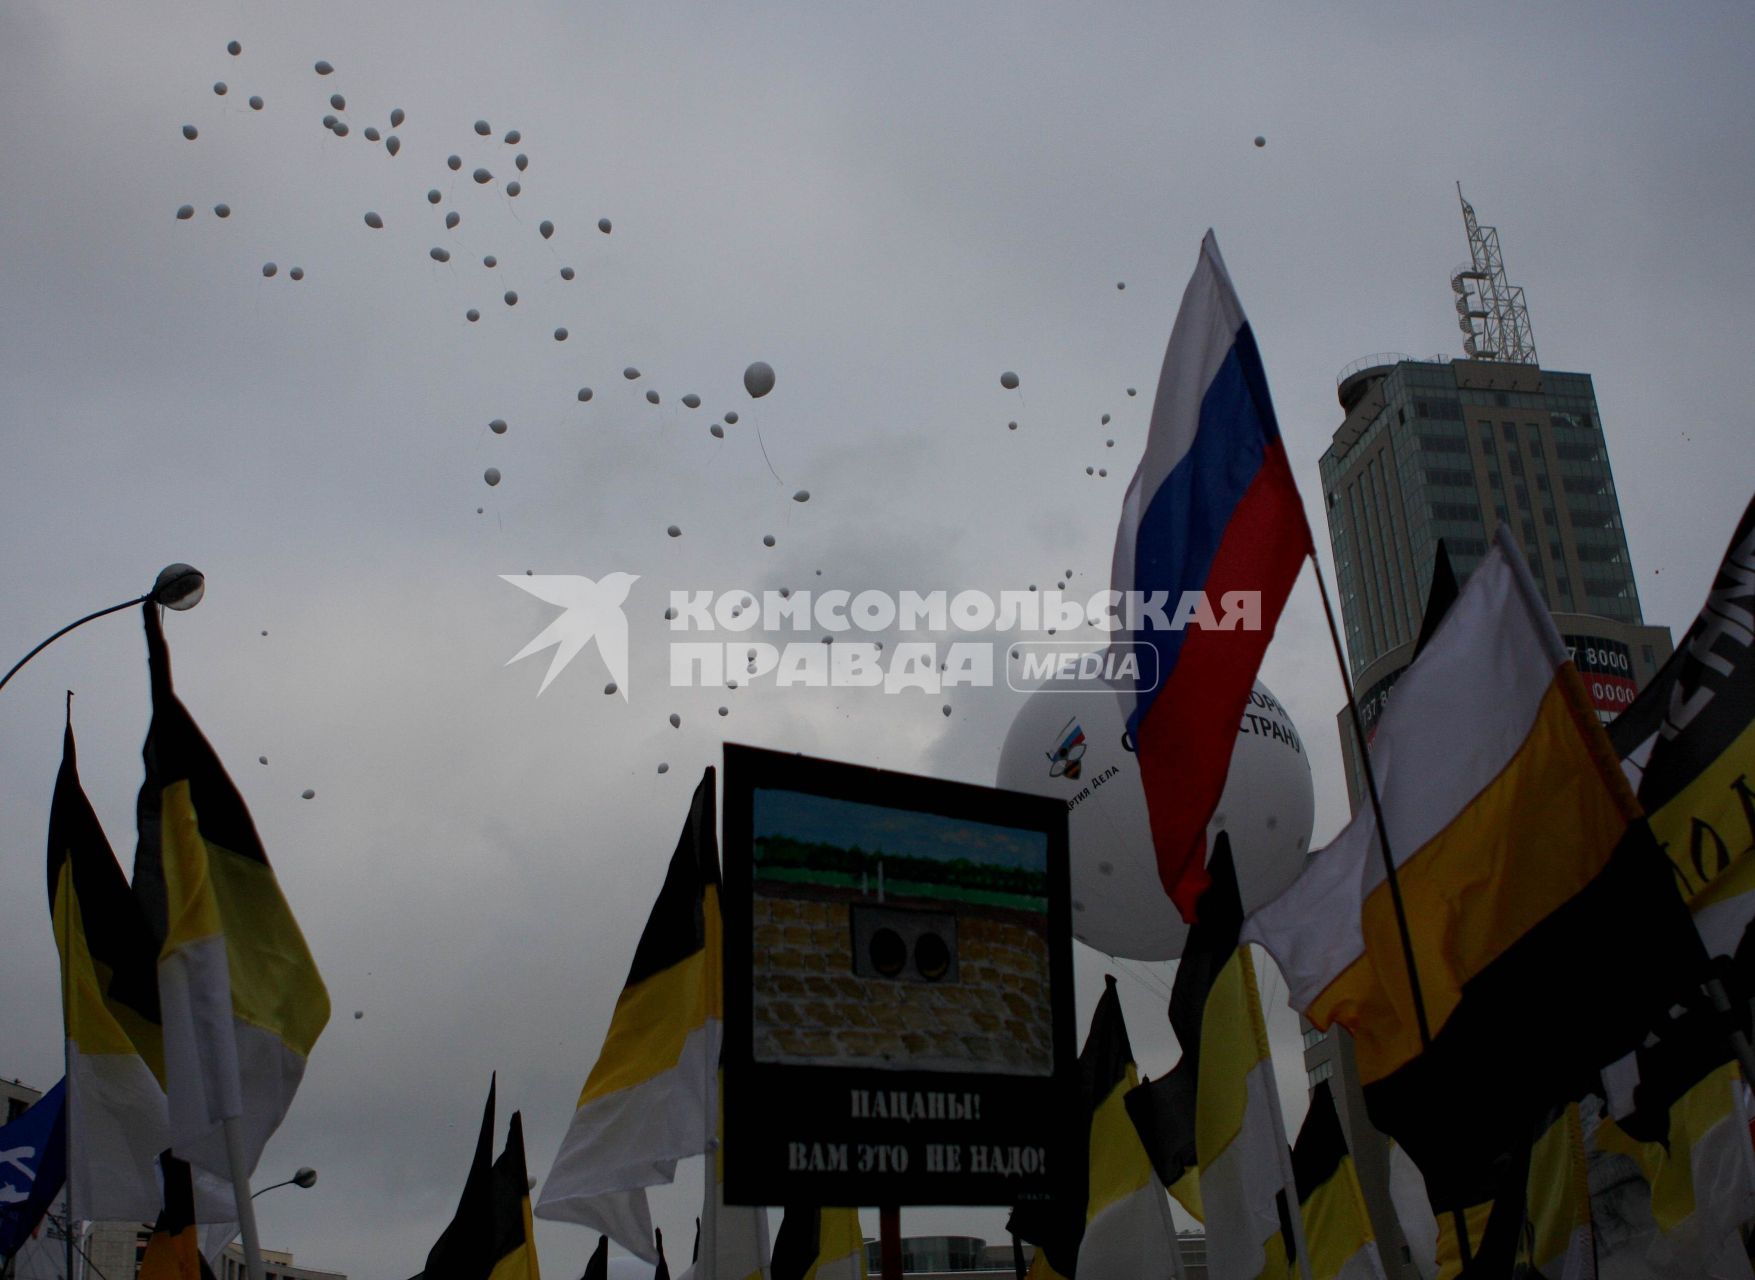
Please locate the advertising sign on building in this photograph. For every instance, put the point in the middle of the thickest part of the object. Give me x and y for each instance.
(898, 989)
(1606, 666)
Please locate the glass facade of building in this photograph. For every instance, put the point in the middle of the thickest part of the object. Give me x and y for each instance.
(1450, 450)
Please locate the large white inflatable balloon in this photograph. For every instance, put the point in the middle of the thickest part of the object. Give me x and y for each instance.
(1069, 745)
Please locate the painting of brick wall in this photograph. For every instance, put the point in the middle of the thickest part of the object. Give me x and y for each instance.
(810, 1007)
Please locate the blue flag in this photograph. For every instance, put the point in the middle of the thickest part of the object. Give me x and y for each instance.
(33, 1166)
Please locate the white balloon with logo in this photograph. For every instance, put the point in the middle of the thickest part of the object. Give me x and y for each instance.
(1069, 744)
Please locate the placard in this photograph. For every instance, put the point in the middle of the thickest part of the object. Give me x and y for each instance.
(898, 989)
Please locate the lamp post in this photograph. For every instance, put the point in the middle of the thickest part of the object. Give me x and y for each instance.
(178, 586)
(305, 1177)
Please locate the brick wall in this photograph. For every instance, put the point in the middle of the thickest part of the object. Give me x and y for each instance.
(810, 1007)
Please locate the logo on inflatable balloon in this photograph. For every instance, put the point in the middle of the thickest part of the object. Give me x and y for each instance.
(1119, 905)
(1064, 760)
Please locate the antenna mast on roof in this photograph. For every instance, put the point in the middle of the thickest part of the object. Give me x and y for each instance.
(1489, 310)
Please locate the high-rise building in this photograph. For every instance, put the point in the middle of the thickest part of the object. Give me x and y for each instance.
(1451, 449)
(1448, 449)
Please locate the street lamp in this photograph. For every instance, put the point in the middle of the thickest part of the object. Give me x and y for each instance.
(178, 586)
(305, 1177)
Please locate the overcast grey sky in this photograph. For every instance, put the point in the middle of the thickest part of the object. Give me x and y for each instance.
(892, 204)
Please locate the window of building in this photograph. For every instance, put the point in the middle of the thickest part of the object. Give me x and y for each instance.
(1509, 431)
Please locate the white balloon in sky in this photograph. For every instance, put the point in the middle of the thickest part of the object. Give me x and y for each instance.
(1068, 745)
(758, 379)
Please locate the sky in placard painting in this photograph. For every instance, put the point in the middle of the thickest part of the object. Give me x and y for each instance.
(892, 204)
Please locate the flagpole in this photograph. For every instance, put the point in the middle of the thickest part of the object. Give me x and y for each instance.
(1389, 868)
(234, 1151)
(66, 1016)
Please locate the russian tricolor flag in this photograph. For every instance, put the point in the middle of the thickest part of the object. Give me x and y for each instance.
(1211, 509)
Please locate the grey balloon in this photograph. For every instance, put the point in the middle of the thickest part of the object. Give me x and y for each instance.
(483, 177)
(322, 68)
(498, 426)
(731, 418)
(674, 532)
(439, 254)
(511, 298)
(190, 133)
(371, 134)
(561, 334)
(234, 48)
(513, 137)
(397, 117)
(513, 188)
(652, 397)
(297, 273)
(490, 262)
(584, 394)
(1009, 380)
(603, 225)
(307, 794)
(185, 212)
(222, 211)
(255, 102)
(566, 273)
(758, 379)
(482, 127)
(374, 221)
(492, 476)
(803, 495)
(340, 128)
(269, 270)
(767, 539)
(452, 219)
(433, 196)
(716, 431)
(630, 373)
(472, 315)
(692, 400)
(392, 144)
(338, 102)
(219, 88)
(522, 161)
(453, 163)
(545, 228)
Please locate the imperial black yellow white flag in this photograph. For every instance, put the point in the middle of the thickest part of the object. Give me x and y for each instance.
(1541, 913)
(173, 1251)
(513, 1247)
(109, 990)
(1337, 1228)
(651, 1099)
(241, 999)
(819, 1244)
(1128, 1228)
